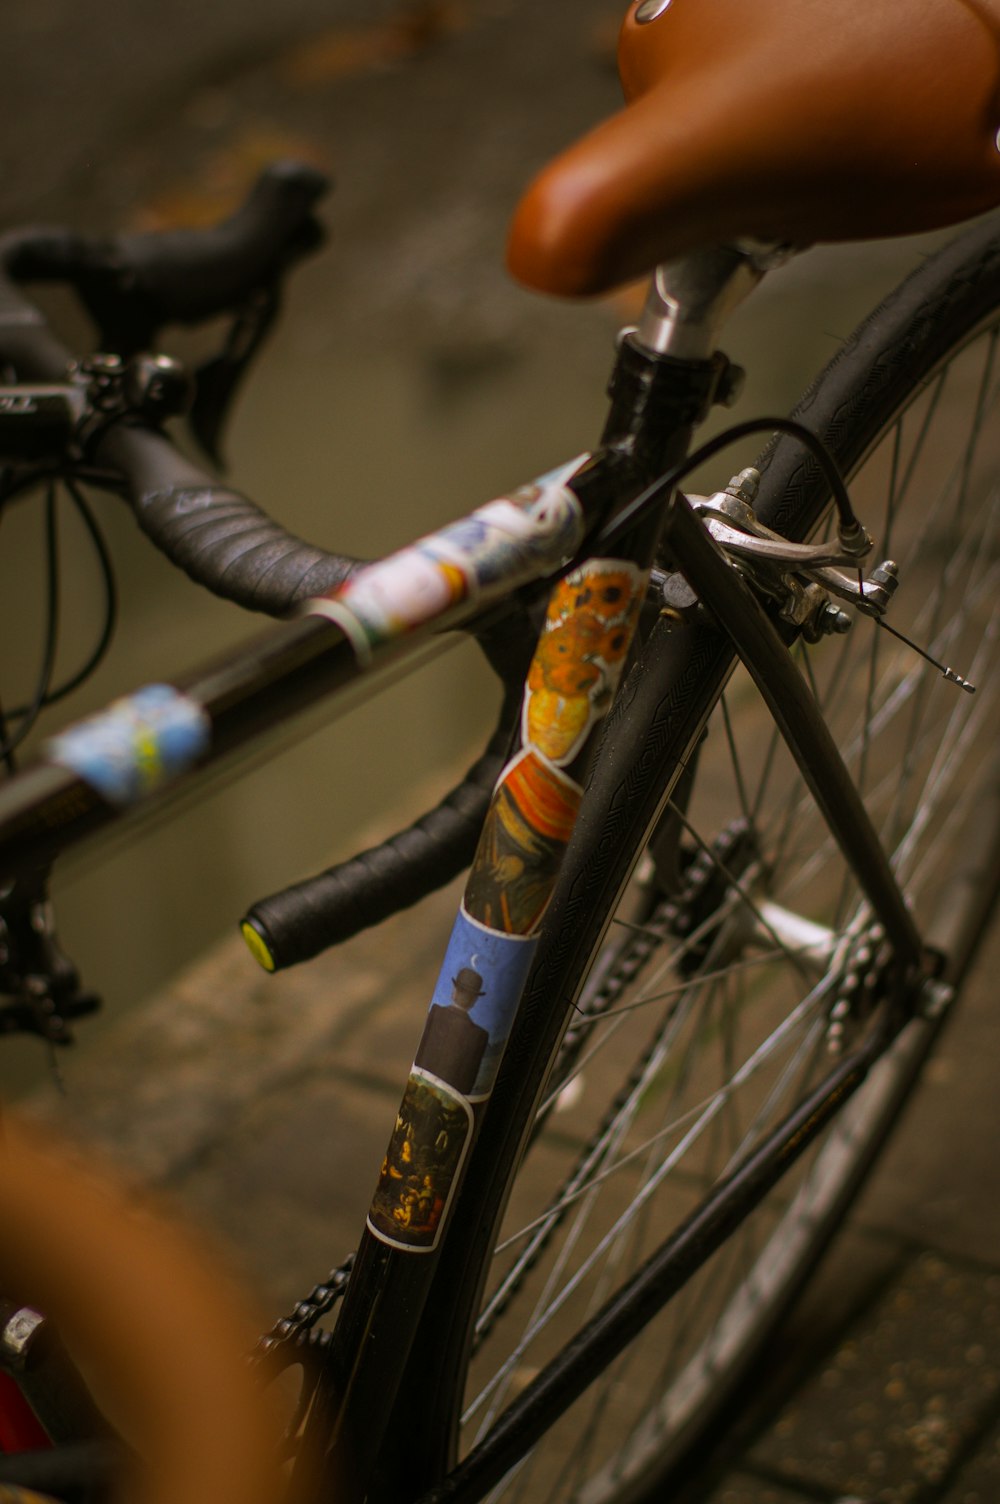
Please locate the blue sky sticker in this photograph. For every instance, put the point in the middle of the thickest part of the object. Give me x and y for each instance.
(473, 1006)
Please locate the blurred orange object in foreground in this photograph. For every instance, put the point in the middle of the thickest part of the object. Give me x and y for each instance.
(159, 1331)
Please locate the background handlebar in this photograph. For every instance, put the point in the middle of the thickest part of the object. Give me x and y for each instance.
(131, 285)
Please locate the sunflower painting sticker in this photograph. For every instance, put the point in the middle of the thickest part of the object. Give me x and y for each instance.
(580, 655)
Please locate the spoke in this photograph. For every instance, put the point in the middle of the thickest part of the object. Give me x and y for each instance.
(961, 733)
(739, 887)
(748, 963)
(764, 779)
(736, 763)
(788, 1027)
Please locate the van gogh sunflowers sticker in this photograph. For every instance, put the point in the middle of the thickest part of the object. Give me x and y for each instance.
(573, 676)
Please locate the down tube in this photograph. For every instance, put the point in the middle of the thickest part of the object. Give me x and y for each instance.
(589, 626)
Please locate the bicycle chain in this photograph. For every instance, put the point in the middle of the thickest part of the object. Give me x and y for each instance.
(293, 1335)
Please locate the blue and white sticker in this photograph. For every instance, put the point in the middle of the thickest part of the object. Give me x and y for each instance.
(496, 548)
(473, 1006)
(135, 746)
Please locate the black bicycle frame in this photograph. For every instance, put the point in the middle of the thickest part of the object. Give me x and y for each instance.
(688, 1247)
(48, 808)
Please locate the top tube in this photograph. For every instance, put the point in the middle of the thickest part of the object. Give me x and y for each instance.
(128, 753)
(467, 565)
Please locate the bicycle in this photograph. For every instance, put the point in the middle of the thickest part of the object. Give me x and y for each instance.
(863, 974)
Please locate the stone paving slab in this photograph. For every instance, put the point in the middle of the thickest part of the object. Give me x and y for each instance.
(289, 1193)
(184, 1075)
(742, 1488)
(979, 1481)
(894, 1410)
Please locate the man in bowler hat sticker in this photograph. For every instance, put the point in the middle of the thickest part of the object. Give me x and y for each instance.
(452, 1046)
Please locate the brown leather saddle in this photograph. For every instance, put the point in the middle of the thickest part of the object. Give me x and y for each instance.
(782, 120)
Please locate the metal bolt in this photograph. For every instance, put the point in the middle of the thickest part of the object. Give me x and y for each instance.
(831, 619)
(648, 10)
(745, 485)
(18, 1336)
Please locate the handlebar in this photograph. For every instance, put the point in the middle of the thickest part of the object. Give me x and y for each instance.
(132, 285)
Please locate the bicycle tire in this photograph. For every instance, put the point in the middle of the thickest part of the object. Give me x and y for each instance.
(913, 362)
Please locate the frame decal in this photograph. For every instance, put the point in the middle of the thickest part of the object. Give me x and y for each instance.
(473, 1005)
(524, 835)
(135, 746)
(515, 538)
(579, 658)
(420, 1168)
(571, 682)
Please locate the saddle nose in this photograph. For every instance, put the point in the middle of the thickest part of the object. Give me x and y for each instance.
(787, 120)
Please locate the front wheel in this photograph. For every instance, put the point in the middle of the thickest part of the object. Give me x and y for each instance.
(711, 950)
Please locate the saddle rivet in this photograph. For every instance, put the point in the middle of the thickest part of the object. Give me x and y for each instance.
(648, 10)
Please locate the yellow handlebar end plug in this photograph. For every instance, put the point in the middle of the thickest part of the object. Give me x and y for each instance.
(257, 946)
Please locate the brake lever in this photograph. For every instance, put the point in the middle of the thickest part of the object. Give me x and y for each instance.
(135, 285)
(218, 379)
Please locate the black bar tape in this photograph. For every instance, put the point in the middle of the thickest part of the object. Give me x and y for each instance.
(228, 544)
(219, 538)
(133, 284)
(321, 911)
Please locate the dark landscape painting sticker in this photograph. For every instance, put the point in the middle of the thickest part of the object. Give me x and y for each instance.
(421, 1165)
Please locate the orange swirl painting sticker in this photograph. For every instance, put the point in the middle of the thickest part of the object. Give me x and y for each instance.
(524, 836)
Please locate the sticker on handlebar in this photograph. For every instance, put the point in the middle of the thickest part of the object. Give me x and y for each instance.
(491, 552)
(136, 745)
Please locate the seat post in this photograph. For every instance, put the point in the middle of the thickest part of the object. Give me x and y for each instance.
(691, 298)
